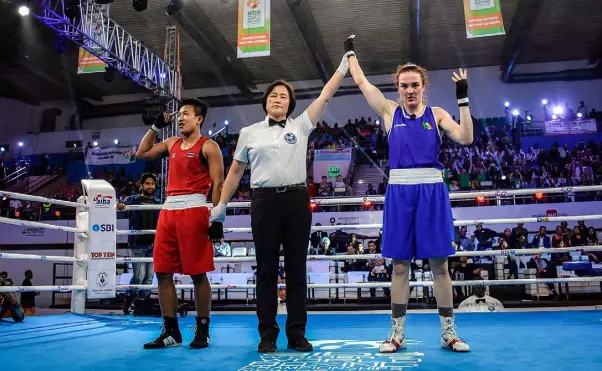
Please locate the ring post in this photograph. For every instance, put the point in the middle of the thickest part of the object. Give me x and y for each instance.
(80, 267)
(102, 238)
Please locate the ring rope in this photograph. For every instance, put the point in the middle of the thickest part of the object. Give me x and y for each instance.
(50, 258)
(457, 223)
(452, 196)
(512, 252)
(27, 223)
(26, 197)
(121, 288)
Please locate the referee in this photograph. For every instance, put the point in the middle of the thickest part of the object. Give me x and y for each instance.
(276, 150)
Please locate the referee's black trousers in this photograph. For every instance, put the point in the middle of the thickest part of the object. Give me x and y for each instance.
(281, 219)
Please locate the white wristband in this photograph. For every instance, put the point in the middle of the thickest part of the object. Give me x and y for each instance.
(155, 129)
(463, 101)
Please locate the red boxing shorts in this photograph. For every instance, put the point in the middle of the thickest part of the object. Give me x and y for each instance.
(181, 242)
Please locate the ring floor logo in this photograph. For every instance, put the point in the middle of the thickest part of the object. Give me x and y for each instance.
(336, 355)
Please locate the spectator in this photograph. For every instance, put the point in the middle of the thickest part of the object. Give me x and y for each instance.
(541, 240)
(382, 186)
(578, 239)
(465, 271)
(544, 270)
(559, 240)
(222, 248)
(325, 189)
(28, 299)
(519, 230)
(592, 237)
(370, 191)
(480, 302)
(9, 305)
(321, 248)
(351, 264)
(379, 273)
(317, 236)
(372, 248)
(485, 237)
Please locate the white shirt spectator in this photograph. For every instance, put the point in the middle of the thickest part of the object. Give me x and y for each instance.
(15, 204)
(484, 304)
(277, 155)
(222, 249)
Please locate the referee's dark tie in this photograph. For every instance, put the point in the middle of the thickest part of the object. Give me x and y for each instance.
(273, 122)
(481, 301)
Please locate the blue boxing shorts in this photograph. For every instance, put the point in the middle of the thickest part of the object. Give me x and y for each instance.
(417, 218)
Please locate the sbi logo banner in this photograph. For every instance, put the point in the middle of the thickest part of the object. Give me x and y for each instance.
(103, 228)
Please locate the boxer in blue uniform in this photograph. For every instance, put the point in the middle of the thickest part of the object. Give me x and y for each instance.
(417, 218)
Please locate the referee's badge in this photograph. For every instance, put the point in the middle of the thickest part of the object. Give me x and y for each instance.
(290, 138)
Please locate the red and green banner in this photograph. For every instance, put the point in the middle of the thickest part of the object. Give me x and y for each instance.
(483, 18)
(89, 63)
(253, 28)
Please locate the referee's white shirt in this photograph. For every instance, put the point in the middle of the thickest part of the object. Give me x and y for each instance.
(277, 155)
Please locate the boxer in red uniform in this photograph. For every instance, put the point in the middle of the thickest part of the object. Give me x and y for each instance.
(183, 240)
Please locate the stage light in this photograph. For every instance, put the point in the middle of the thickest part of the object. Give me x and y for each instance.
(95, 144)
(529, 118)
(226, 122)
(57, 213)
(481, 199)
(74, 145)
(539, 196)
(367, 203)
(544, 101)
(554, 117)
(313, 205)
(558, 110)
(377, 122)
(507, 104)
(515, 112)
(2, 149)
(140, 5)
(116, 141)
(579, 115)
(20, 144)
(23, 10)
(174, 7)
(162, 75)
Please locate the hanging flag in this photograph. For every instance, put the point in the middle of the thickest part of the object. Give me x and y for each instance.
(253, 28)
(88, 62)
(483, 18)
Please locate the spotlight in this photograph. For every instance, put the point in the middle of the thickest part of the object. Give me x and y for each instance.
(140, 5)
(367, 203)
(313, 205)
(74, 145)
(174, 7)
(544, 101)
(23, 10)
(558, 110)
(95, 144)
(226, 122)
(20, 144)
(580, 115)
(515, 112)
(2, 149)
(529, 118)
(116, 141)
(539, 196)
(554, 117)
(210, 132)
(481, 199)
(503, 177)
(377, 122)
(162, 75)
(507, 104)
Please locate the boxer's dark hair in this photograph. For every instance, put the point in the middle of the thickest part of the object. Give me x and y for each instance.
(291, 95)
(145, 176)
(200, 106)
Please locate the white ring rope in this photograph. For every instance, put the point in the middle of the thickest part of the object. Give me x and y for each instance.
(121, 288)
(457, 223)
(25, 197)
(512, 252)
(452, 196)
(50, 258)
(27, 223)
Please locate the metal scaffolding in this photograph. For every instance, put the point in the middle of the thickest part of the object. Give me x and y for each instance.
(172, 56)
(86, 24)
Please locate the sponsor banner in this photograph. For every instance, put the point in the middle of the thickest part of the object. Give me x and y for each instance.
(333, 154)
(571, 127)
(101, 283)
(110, 156)
(89, 63)
(483, 18)
(253, 28)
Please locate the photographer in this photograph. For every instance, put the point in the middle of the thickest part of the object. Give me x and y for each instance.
(141, 245)
(9, 305)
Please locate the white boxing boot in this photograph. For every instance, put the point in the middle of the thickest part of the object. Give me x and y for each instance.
(449, 338)
(397, 338)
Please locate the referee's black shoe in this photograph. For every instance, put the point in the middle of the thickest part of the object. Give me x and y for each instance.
(170, 336)
(267, 346)
(300, 345)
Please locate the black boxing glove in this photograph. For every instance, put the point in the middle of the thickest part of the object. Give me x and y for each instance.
(162, 121)
(462, 92)
(215, 232)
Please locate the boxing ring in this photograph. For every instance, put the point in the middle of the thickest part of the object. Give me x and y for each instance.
(519, 340)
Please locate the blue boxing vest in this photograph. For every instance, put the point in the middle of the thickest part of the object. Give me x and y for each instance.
(414, 143)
